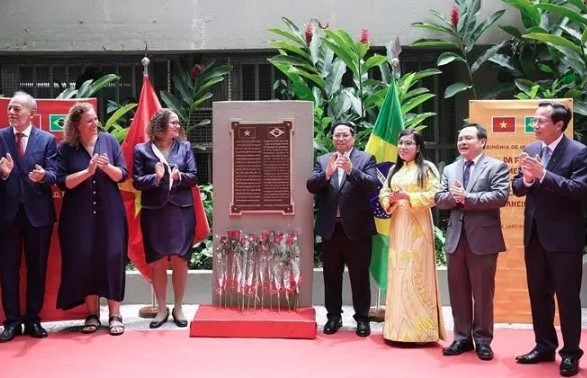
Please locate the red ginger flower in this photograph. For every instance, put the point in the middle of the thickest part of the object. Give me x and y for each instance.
(196, 70)
(364, 36)
(309, 33)
(454, 16)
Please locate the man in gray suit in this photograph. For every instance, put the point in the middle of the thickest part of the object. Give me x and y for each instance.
(473, 189)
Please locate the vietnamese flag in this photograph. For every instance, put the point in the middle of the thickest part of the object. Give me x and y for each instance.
(148, 105)
(504, 124)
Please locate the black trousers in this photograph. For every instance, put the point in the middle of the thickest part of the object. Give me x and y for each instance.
(36, 242)
(356, 254)
(549, 273)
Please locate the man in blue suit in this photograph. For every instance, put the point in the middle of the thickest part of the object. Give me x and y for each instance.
(553, 177)
(28, 169)
(342, 181)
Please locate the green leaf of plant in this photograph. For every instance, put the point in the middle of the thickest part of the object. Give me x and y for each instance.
(197, 103)
(84, 89)
(373, 61)
(205, 86)
(563, 12)
(580, 4)
(505, 62)
(512, 30)
(315, 78)
(443, 21)
(530, 14)
(413, 102)
(334, 78)
(419, 75)
(291, 36)
(580, 107)
(434, 27)
(455, 88)
(286, 46)
(436, 43)
(448, 57)
(486, 55)
(485, 24)
(174, 103)
(118, 114)
(554, 41)
(343, 54)
(414, 120)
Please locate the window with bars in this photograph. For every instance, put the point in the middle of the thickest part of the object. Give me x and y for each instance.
(251, 79)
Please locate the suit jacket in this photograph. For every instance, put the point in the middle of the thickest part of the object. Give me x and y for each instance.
(155, 194)
(479, 216)
(36, 197)
(555, 204)
(351, 197)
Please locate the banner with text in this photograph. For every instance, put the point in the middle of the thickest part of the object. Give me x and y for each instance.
(509, 128)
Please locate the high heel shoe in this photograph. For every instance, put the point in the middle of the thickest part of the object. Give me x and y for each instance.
(180, 323)
(159, 323)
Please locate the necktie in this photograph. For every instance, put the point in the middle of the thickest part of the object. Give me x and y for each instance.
(545, 155)
(467, 173)
(20, 144)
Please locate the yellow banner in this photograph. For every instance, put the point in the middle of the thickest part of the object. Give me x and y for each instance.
(509, 128)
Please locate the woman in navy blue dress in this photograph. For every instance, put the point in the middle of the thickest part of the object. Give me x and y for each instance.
(93, 230)
(164, 169)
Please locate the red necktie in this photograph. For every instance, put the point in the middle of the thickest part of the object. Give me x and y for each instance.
(20, 144)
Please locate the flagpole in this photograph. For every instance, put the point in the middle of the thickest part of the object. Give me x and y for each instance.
(148, 311)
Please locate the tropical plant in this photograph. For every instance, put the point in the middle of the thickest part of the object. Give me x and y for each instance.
(463, 29)
(89, 87)
(192, 87)
(315, 62)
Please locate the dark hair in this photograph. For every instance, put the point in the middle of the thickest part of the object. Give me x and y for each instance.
(560, 112)
(158, 124)
(350, 124)
(423, 169)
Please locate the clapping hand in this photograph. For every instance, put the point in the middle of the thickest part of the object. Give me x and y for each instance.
(458, 192)
(6, 165)
(175, 173)
(344, 163)
(532, 167)
(102, 161)
(93, 165)
(331, 167)
(37, 174)
(159, 170)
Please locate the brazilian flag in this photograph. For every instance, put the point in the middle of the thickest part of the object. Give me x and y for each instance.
(383, 145)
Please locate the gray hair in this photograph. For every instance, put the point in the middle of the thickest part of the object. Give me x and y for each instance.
(30, 101)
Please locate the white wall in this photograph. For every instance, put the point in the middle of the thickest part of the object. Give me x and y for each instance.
(180, 25)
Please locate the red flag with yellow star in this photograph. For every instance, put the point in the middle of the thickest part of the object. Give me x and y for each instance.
(504, 124)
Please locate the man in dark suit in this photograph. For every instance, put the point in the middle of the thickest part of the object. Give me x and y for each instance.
(342, 181)
(474, 189)
(27, 170)
(553, 177)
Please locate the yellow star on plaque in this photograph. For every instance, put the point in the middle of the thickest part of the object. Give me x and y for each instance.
(503, 125)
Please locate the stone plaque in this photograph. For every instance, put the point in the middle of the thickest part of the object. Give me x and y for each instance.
(261, 168)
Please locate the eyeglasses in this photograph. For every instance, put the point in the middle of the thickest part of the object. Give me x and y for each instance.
(540, 121)
(406, 143)
(342, 136)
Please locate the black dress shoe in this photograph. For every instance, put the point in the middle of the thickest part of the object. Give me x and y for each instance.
(332, 325)
(159, 323)
(363, 328)
(458, 347)
(534, 357)
(10, 332)
(182, 323)
(484, 352)
(35, 330)
(569, 366)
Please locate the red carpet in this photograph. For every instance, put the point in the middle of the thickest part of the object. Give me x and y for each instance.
(213, 321)
(174, 354)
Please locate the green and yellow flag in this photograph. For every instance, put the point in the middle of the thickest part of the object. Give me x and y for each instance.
(383, 145)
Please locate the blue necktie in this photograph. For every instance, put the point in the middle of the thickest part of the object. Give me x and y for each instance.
(545, 155)
(467, 173)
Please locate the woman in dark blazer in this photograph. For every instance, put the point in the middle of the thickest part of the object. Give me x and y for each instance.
(165, 171)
